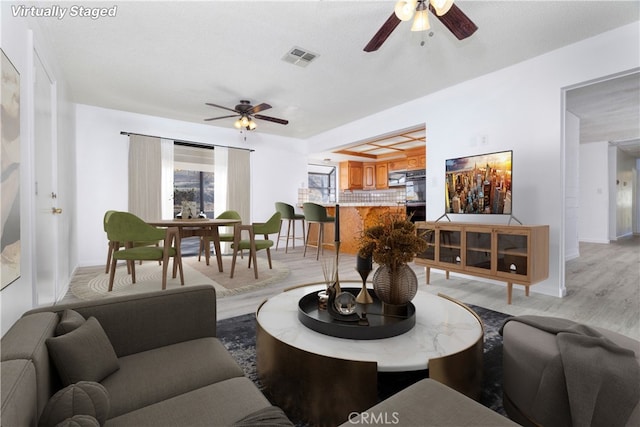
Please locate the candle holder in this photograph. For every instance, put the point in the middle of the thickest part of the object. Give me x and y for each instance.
(364, 267)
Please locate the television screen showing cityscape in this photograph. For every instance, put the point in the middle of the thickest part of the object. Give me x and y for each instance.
(479, 184)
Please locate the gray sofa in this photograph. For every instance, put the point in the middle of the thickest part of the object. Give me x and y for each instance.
(170, 369)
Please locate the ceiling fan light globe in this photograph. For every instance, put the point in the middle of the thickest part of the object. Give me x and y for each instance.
(237, 124)
(244, 121)
(441, 6)
(252, 125)
(421, 21)
(405, 9)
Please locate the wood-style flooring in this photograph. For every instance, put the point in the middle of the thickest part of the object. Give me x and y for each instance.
(603, 286)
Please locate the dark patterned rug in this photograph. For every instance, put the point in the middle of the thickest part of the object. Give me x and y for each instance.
(238, 334)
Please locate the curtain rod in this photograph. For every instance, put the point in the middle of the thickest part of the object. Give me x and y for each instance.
(185, 142)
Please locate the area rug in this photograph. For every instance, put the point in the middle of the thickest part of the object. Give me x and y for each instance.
(149, 278)
(238, 334)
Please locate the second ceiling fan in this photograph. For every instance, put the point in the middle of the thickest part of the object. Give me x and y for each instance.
(447, 12)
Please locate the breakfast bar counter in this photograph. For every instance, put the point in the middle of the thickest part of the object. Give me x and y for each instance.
(354, 218)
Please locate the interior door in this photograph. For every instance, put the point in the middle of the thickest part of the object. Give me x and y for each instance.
(45, 238)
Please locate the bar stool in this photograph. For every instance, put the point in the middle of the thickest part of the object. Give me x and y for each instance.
(316, 214)
(287, 212)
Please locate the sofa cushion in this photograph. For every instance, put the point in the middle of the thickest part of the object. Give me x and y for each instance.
(84, 354)
(69, 321)
(18, 390)
(79, 421)
(81, 398)
(219, 404)
(155, 375)
(26, 340)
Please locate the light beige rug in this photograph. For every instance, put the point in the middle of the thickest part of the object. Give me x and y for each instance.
(149, 278)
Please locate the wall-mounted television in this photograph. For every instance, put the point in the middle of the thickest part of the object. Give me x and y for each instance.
(479, 184)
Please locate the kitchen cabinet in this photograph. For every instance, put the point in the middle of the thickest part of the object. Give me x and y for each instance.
(397, 165)
(369, 176)
(382, 176)
(416, 160)
(351, 175)
(515, 254)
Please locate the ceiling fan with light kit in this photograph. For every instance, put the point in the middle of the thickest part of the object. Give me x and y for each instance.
(448, 13)
(246, 114)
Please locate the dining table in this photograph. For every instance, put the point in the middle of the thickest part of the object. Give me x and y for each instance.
(206, 228)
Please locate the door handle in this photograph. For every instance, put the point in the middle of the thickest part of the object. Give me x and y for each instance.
(56, 211)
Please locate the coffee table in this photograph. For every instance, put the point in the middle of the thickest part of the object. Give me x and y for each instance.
(322, 379)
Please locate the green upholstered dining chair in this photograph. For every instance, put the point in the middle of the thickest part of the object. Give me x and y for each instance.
(288, 212)
(124, 228)
(316, 214)
(110, 249)
(224, 237)
(252, 244)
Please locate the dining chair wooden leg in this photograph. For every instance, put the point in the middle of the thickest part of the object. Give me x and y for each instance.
(112, 274)
(278, 239)
(320, 240)
(133, 271)
(269, 258)
(291, 222)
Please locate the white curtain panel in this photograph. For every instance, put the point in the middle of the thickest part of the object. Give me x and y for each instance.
(145, 177)
(166, 189)
(239, 183)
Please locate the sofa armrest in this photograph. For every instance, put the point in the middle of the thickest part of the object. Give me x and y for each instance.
(136, 323)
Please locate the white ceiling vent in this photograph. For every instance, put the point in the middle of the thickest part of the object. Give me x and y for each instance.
(299, 56)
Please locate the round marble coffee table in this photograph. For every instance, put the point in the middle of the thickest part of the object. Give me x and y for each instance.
(322, 379)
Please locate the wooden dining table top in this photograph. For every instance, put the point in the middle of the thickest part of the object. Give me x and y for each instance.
(196, 222)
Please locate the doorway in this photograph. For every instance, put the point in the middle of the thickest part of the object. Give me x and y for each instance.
(46, 259)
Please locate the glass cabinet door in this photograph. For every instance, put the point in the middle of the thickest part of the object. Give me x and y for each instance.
(478, 249)
(513, 254)
(449, 246)
(428, 234)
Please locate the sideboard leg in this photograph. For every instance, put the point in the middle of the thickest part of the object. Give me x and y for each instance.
(526, 290)
(447, 274)
(428, 275)
(509, 292)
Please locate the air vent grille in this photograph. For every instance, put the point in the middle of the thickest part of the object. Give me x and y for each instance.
(299, 56)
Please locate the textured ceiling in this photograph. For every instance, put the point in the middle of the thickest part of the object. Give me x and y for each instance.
(168, 58)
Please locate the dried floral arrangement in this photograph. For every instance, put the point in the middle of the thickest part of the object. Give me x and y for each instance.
(392, 242)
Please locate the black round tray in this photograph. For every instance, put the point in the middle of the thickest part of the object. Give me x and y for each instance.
(380, 325)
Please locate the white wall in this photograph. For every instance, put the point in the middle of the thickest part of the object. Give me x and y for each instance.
(593, 219)
(18, 36)
(519, 108)
(278, 165)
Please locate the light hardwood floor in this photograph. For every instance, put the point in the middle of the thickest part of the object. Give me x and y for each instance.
(603, 286)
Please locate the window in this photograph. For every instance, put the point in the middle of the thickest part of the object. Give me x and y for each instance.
(193, 178)
(322, 183)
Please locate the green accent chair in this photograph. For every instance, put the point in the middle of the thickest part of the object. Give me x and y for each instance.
(316, 214)
(252, 244)
(287, 212)
(224, 237)
(111, 248)
(124, 228)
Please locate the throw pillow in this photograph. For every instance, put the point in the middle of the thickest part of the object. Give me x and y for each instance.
(85, 398)
(69, 321)
(85, 354)
(79, 421)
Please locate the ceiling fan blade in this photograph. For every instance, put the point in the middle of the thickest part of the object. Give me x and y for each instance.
(223, 117)
(457, 22)
(271, 119)
(383, 33)
(220, 106)
(258, 108)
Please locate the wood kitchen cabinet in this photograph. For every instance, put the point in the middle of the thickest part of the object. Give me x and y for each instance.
(351, 175)
(511, 253)
(416, 160)
(397, 165)
(382, 176)
(369, 176)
